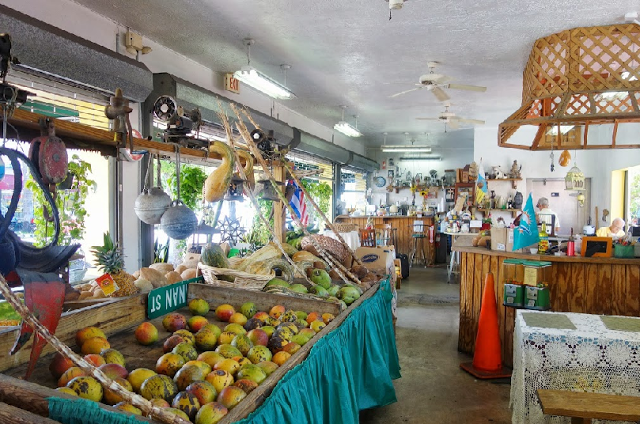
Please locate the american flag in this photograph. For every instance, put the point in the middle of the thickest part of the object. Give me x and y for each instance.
(298, 204)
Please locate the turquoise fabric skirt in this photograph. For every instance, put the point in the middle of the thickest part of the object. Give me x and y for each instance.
(348, 370)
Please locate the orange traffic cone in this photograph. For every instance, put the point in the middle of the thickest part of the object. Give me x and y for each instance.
(487, 358)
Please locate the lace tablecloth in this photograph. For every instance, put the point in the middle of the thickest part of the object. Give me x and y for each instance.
(589, 358)
(352, 238)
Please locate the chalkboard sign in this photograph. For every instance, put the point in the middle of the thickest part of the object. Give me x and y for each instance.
(596, 247)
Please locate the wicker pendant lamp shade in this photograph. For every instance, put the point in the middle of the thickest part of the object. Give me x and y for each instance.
(575, 79)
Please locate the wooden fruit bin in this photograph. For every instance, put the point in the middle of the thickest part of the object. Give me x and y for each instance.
(118, 318)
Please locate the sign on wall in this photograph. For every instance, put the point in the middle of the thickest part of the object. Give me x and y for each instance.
(231, 83)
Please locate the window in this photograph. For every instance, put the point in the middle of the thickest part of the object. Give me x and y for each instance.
(632, 200)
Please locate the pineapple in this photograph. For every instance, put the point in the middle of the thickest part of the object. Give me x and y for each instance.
(109, 259)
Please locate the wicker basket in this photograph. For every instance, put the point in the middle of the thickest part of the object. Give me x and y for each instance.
(345, 227)
(243, 280)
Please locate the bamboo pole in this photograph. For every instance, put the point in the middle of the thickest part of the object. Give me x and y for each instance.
(225, 122)
(135, 399)
(310, 199)
(340, 269)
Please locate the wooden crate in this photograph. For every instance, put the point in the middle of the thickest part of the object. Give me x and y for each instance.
(119, 317)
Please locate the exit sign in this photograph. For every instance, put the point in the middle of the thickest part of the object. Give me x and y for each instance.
(231, 83)
(169, 298)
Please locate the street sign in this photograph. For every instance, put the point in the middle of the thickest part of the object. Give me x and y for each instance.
(168, 298)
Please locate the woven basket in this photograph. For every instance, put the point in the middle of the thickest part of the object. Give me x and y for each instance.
(243, 280)
(345, 227)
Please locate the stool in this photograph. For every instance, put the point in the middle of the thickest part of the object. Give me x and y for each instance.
(584, 407)
(368, 237)
(383, 234)
(418, 243)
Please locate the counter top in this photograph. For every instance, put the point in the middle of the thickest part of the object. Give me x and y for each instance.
(549, 258)
(383, 217)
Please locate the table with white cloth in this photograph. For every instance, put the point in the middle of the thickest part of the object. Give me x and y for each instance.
(592, 357)
(352, 238)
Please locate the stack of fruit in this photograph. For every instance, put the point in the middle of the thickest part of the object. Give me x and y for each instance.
(205, 370)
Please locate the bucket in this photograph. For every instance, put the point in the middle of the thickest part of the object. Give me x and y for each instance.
(623, 251)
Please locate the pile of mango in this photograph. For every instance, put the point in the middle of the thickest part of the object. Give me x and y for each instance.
(205, 369)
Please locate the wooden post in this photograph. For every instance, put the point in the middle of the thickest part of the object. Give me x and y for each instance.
(279, 209)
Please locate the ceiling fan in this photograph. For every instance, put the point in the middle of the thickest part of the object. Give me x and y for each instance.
(450, 118)
(436, 82)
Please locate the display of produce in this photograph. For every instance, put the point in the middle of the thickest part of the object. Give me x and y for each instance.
(203, 373)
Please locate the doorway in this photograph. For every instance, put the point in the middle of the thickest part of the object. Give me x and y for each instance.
(564, 203)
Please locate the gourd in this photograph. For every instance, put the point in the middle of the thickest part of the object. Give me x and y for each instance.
(248, 168)
(217, 183)
(270, 266)
(213, 255)
(288, 249)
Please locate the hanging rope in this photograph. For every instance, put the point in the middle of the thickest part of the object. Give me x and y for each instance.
(310, 199)
(161, 413)
(225, 122)
(339, 268)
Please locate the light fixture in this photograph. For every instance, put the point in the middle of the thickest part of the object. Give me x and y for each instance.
(346, 128)
(404, 149)
(411, 158)
(133, 43)
(574, 180)
(259, 81)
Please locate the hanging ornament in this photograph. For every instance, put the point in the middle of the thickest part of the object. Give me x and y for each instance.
(235, 190)
(565, 158)
(178, 222)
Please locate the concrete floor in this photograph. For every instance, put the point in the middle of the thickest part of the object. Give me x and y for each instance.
(433, 388)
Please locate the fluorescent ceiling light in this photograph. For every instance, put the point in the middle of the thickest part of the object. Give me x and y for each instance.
(413, 149)
(346, 129)
(563, 129)
(259, 81)
(421, 158)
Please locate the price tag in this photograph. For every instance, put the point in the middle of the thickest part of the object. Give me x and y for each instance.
(107, 284)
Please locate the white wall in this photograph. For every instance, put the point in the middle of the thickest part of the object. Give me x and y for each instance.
(596, 164)
(450, 160)
(96, 28)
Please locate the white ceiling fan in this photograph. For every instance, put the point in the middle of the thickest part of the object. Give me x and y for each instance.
(437, 82)
(450, 119)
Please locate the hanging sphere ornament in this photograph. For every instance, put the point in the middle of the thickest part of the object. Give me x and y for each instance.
(178, 222)
(151, 204)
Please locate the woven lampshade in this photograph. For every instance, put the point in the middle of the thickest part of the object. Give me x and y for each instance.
(578, 78)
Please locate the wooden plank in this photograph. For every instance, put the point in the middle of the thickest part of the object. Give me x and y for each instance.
(560, 290)
(553, 259)
(258, 395)
(109, 316)
(279, 209)
(589, 405)
(469, 330)
(618, 289)
(632, 300)
(577, 282)
(12, 415)
(592, 286)
(463, 319)
(33, 397)
(604, 290)
(477, 297)
(263, 301)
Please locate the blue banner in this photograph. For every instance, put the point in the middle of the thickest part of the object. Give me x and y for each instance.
(526, 233)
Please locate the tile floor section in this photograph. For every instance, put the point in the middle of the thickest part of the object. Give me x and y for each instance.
(433, 388)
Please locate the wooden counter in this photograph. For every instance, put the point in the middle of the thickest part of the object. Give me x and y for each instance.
(608, 286)
(404, 225)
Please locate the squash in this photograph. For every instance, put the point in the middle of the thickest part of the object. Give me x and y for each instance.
(248, 168)
(288, 249)
(217, 183)
(270, 266)
(213, 255)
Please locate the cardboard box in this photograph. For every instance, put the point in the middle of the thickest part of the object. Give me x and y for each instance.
(502, 239)
(378, 259)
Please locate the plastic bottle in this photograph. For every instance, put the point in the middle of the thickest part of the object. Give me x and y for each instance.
(543, 244)
(571, 245)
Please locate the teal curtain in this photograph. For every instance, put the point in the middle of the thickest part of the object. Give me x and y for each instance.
(348, 370)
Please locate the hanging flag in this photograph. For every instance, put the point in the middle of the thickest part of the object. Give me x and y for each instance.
(526, 233)
(481, 185)
(298, 204)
